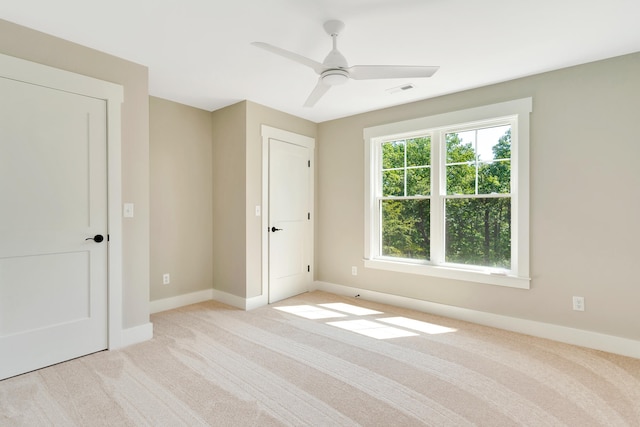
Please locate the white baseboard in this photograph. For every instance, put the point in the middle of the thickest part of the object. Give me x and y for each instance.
(589, 339)
(207, 295)
(256, 302)
(229, 299)
(240, 302)
(137, 334)
(180, 301)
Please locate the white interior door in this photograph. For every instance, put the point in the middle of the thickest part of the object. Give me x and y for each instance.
(290, 227)
(53, 186)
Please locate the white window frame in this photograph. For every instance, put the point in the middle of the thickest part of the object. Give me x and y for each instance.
(515, 112)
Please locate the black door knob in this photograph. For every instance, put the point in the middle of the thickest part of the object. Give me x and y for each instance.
(274, 229)
(97, 238)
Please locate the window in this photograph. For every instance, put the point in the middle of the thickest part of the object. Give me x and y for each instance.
(448, 195)
(404, 198)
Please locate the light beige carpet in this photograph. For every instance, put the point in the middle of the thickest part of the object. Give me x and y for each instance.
(304, 363)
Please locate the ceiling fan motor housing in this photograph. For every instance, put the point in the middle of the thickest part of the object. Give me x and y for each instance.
(334, 77)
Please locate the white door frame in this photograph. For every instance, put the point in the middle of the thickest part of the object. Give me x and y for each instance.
(43, 75)
(268, 133)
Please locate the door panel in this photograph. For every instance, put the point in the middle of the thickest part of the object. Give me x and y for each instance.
(20, 312)
(289, 207)
(288, 250)
(53, 183)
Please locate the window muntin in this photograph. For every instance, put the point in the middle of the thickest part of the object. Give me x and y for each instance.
(406, 167)
(494, 174)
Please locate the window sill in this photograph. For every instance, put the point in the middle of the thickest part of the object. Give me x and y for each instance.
(450, 273)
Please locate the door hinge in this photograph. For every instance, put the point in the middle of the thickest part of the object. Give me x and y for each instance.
(309, 163)
(308, 269)
(308, 215)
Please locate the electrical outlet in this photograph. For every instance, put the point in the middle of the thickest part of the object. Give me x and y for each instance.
(578, 303)
(166, 278)
(354, 271)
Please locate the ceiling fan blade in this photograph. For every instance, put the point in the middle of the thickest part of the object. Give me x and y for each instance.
(316, 93)
(365, 72)
(317, 67)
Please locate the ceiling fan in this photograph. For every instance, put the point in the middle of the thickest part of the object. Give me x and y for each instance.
(334, 70)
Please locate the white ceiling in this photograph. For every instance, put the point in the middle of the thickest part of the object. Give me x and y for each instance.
(199, 53)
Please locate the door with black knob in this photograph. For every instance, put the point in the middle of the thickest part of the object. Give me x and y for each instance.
(53, 223)
(290, 231)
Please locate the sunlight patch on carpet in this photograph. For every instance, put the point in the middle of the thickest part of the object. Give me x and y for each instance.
(369, 328)
(417, 325)
(351, 309)
(372, 329)
(310, 312)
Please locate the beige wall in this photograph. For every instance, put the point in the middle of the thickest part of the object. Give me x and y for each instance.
(584, 200)
(228, 194)
(181, 198)
(34, 46)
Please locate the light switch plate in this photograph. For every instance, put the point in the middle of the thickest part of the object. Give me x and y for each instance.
(127, 210)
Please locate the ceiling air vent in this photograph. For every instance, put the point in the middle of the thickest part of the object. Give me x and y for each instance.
(402, 88)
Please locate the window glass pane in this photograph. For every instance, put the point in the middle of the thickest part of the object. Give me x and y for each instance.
(393, 183)
(393, 154)
(494, 143)
(478, 232)
(494, 177)
(461, 179)
(419, 151)
(405, 228)
(419, 182)
(460, 147)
